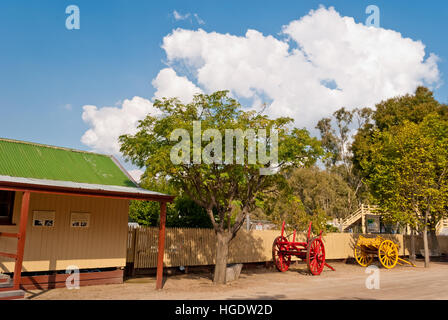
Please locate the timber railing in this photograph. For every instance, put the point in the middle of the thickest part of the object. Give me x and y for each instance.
(363, 210)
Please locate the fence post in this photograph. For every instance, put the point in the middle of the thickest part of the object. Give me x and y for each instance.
(134, 251)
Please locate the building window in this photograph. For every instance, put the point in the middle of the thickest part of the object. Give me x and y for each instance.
(43, 218)
(6, 206)
(80, 220)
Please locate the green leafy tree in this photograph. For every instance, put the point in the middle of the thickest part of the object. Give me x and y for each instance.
(146, 213)
(310, 194)
(404, 158)
(188, 214)
(227, 190)
(321, 190)
(413, 108)
(182, 213)
(336, 136)
(292, 211)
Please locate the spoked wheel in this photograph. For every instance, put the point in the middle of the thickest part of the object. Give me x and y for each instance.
(315, 256)
(281, 259)
(362, 257)
(388, 254)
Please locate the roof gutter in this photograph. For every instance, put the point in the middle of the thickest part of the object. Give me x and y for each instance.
(17, 186)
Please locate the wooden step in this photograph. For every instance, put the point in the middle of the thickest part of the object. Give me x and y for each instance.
(4, 278)
(6, 284)
(12, 295)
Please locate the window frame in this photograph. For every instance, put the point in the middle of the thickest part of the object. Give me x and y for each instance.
(44, 216)
(7, 220)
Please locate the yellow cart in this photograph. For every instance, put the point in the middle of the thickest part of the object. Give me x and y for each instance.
(387, 251)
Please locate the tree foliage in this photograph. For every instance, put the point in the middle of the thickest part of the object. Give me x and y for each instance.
(403, 156)
(182, 213)
(336, 136)
(310, 194)
(226, 191)
(407, 170)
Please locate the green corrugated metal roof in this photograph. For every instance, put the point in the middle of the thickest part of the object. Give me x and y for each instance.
(31, 160)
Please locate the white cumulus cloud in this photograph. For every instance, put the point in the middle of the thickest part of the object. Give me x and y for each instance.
(322, 62)
(108, 123)
(169, 84)
(319, 63)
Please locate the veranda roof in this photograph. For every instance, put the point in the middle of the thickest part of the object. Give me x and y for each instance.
(42, 168)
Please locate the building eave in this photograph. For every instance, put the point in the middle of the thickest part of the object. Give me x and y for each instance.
(81, 189)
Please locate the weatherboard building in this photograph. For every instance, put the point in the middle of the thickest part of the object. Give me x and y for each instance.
(61, 208)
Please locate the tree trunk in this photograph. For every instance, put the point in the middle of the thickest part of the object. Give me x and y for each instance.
(222, 252)
(412, 253)
(425, 242)
(433, 242)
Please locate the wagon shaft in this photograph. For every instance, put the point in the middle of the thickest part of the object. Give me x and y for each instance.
(403, 261)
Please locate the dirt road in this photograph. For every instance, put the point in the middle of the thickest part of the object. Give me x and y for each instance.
(347, 282)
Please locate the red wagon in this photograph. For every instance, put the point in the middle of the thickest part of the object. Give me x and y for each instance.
(312, 251)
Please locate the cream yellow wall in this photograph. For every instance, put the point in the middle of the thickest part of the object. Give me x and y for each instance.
(101, 245)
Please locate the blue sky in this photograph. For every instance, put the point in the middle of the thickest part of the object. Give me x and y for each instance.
(48, 73)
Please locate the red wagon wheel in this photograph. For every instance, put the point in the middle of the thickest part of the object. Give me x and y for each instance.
(315, 256)
(281, 259)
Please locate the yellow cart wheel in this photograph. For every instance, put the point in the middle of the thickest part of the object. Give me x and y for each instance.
(362, 257)
(388, 254)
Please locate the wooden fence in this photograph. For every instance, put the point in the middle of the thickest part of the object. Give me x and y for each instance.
(193, 247)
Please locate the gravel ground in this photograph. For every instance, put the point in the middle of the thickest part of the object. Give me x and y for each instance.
(347, 282)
